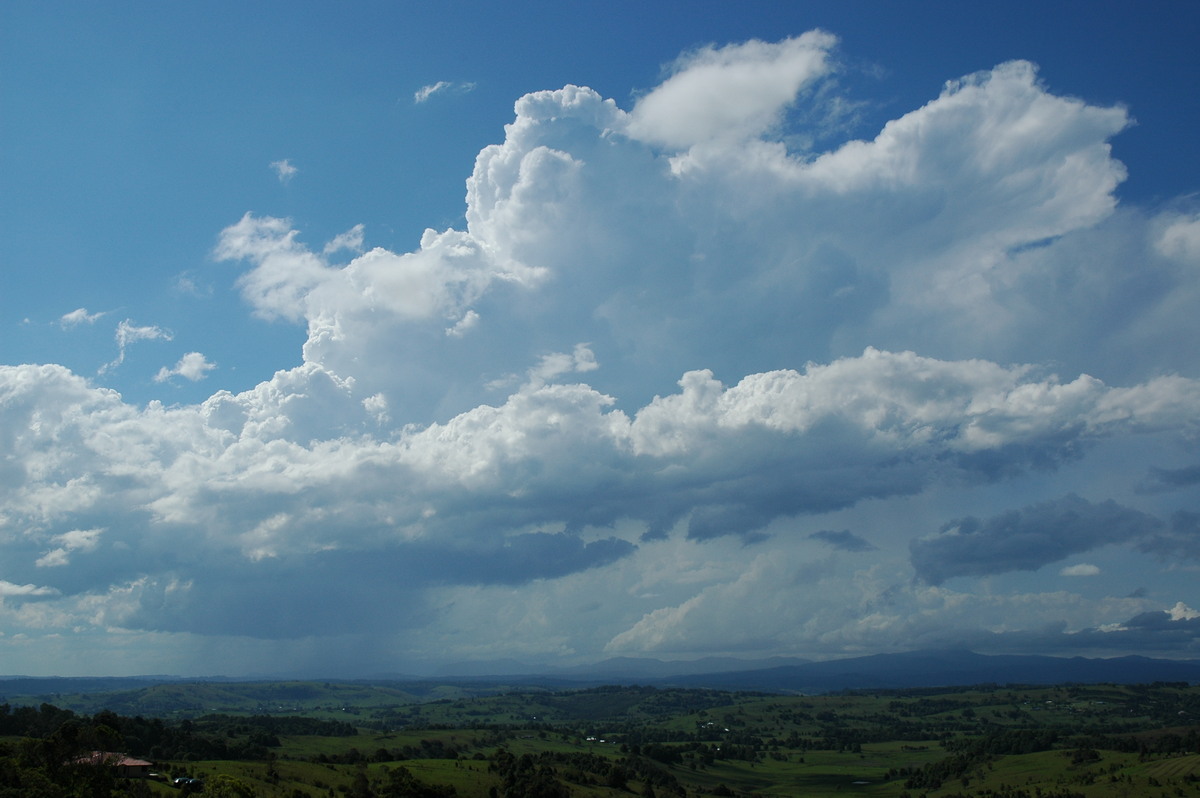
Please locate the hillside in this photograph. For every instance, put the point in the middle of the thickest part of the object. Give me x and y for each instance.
(1089, 741)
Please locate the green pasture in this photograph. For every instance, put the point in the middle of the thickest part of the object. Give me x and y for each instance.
(710, 741)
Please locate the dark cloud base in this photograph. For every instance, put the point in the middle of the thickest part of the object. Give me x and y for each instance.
(1026, 539)
(342, 592)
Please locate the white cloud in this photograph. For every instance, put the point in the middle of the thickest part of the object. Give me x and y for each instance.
(284, 170)
(77, 317)
(297, 447)
(1182, 612)
(282, 471)
(579, 361)
(81, 540)
(873, 241)
(188, 284)
(425, 92)
(1080, 569)
(1180, 239)
(8, 589)
(193, 366)
(351, 240)
(732, 93)
(285, 272)
(826, 607)
(468, 322)
(129, 333)
(933, 226)
(441, 87)
(289, 281)
(377, 406)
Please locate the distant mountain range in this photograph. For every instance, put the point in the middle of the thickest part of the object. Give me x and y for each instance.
(944, 668)
(618, 668)
(947, 669)
(938, 668)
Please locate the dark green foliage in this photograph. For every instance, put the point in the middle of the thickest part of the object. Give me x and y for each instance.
(58, 764)
(1009, 741)
(642, 741)
(525, 777)
(31, 721)
(550, 773)
(401, 783)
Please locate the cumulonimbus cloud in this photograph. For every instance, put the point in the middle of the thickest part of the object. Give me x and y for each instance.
(659, 333)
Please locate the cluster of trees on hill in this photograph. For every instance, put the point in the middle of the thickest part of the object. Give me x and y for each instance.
(968, 755)
(208, 737)
(55, 764)
(547, 774)
(425, 749)
(32, 721)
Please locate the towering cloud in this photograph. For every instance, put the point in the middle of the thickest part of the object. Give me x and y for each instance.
(668, 354)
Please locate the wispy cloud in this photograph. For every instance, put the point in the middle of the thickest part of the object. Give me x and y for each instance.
(187, 283)
(579, 361)
(11, 590)
(77, 540)
(441, 87)
(843, 539)
(351, 240)
(129, 333)
(425, 92)
(284, 170)
(468, 322)
(77, 317)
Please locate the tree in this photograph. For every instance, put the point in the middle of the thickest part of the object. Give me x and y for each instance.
(225, 786)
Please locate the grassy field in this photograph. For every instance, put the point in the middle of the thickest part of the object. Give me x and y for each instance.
(1004, 742)
(831, 776)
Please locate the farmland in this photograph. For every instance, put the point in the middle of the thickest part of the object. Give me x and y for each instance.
(1005, 742)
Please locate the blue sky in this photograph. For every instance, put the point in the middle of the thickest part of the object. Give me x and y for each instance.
(375, 337)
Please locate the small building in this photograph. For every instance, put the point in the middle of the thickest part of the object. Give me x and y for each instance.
(130, 768)
(125, 766)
